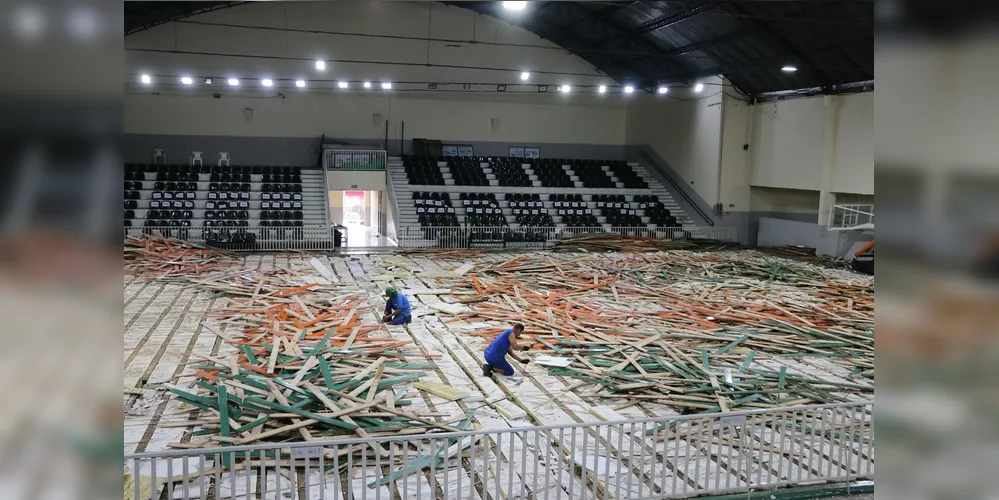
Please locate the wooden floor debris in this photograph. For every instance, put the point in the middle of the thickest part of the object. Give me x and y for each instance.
(278, 348)
(164, 257)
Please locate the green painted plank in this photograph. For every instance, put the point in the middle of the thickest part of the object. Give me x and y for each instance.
(249, 354)
(224, 421)
(732, 344)
(704, 360)
(782, 377)
(321, 344)
(746, 363)
(250, 425)
(324, 367)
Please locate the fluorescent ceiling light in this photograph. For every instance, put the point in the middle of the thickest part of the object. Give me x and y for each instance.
(699, 87)
(186, 80)
(321, 65)
(208, 81)
(267, 82)
(367, 85)
(300, 84)
(628, 89)
(514, 5)
(233, 82)
(146, 79)
(602, 89)
(342, 84)
(386, 85)
(662, 89)
(565, 88)
(789, 68)
(525, 75)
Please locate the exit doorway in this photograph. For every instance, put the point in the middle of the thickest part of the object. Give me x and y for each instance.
(360, 212)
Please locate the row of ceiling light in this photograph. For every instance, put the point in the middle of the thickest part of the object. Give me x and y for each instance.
(266, 82)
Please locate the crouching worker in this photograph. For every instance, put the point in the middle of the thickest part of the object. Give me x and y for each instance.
(505, 343)
(397, 310)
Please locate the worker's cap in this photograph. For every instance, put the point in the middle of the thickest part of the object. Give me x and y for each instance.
(389, 292)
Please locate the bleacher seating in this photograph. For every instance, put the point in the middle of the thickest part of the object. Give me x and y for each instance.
(499, 206)
(551, 173)
(467, 171)
(214, 197)
(509, 172)
(423, 170)
(434, 209)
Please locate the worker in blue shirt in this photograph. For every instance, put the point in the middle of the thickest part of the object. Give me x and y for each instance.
(397, 309)
(505, 343)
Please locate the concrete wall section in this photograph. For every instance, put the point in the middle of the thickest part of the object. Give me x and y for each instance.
(853, 170)
(787, 143)
(356, 180)
(685, 131)
(360, 116)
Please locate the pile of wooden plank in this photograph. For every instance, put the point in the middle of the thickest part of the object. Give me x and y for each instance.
(691, 330)
(169, 257)
(306, 367)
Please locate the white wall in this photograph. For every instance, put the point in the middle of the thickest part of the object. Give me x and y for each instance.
(734, 169)
(788, 144)
(853, 170)
(356, 180)
(685, 130)
(352, 116)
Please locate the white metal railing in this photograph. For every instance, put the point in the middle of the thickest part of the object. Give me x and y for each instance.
(846, 217)
(653, 458)
(275, 239)
(542, 237)
(354, 159)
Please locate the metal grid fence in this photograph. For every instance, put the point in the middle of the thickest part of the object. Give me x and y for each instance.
(663, 457)
(320, 238)
(543, 237)
(354, 159)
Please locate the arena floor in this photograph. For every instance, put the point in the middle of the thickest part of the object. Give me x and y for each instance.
(165, 333)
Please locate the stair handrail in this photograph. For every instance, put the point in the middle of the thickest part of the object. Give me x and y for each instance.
(677, 188)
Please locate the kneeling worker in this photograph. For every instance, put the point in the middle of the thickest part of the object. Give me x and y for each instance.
(505, 343)
(397, 310)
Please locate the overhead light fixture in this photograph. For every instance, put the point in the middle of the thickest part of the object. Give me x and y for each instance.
(699, 87)
(342, 84)
(300, 84)
(208, 81)
(367, 85)
(267, 82)
(321, 65)
(233, 82)
(789, 68)
(386, 85)
(514, 5)
(628, 89)
(146, 79)
(501, 88)
(565, 88)
(525, 75)
(432, 86)
(542, 88)
(662, 89)
(602, 89)
(186, 80)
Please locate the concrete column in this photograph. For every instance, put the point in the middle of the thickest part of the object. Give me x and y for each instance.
(826, 197)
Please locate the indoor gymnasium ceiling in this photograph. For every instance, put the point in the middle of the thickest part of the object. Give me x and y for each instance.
(830, 44)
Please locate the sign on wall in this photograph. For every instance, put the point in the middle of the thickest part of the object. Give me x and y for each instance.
(516, 152)
(532, 152)
(465, 151)
(450, 150)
